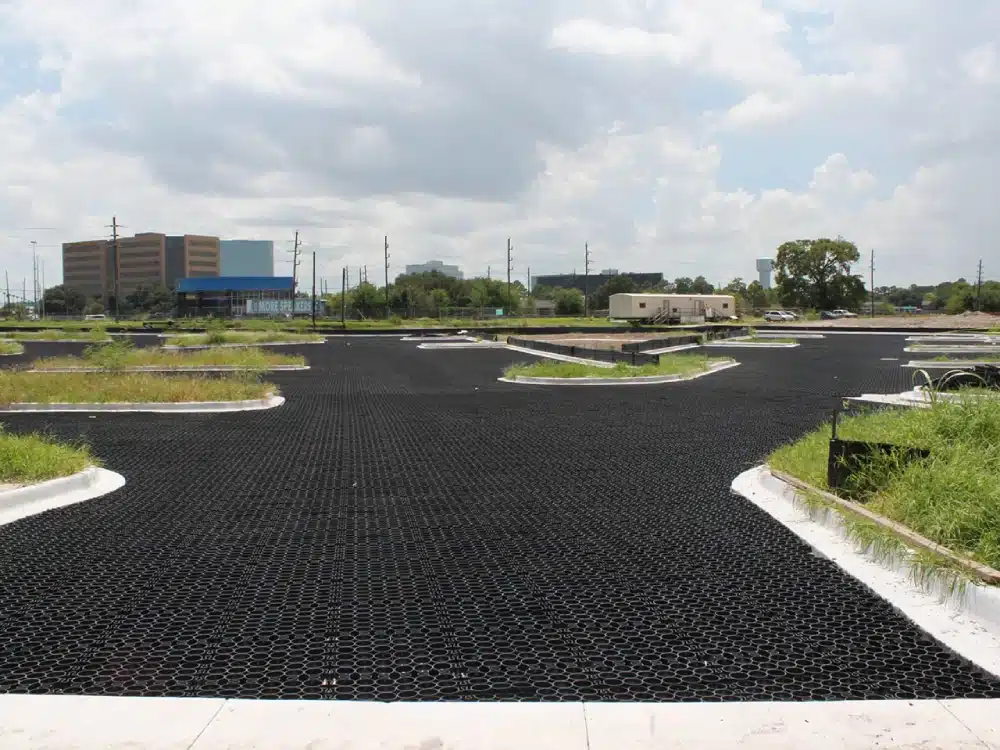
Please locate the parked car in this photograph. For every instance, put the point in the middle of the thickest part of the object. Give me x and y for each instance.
(845, 313)
(779, 316)
(830, 315)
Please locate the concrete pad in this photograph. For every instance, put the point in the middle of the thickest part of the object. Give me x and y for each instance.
(285, 725)
(69, 722)
(982, 717)
(849, 725)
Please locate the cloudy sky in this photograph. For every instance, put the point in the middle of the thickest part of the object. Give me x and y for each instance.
(683, 136)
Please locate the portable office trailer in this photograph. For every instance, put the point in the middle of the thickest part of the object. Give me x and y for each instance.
(682, 308)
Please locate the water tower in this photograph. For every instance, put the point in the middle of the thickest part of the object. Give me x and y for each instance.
(764, 266)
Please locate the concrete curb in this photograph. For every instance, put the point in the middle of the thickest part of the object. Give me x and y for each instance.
(208, 368)
(672, 349)
(918, 397)
(736, 344)
(968, 624)
(440, 339)
(241, 346)
(642, 380)
(986, 349)
(184, 407)
(59, 341)
(952, 364)
(57, 493)
(559, 357)
(463, 345)
(789, 335)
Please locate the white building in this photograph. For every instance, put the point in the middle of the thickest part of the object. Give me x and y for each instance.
(764, 266)
(436, 265)
(246, 258)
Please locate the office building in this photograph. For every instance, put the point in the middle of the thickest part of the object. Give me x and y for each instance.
(764, 267)
(148, 259)
(595, 280)
(438, 266)
(250, 258)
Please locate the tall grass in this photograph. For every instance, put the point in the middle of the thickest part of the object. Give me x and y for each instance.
(218, 336)
(25, 459)
(49, 334)
(119, 355)
(8, 348)
(117, 387)
(670, 364)
(952, 498)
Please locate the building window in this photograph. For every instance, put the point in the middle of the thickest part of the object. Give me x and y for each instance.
(675, 309)
(642, 305)
(725, 305)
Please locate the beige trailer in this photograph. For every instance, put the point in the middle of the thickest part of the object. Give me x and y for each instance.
(672, 308)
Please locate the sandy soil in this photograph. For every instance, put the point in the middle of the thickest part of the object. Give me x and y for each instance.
(936, 322)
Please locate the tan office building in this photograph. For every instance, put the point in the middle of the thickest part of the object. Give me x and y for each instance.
(148, 259)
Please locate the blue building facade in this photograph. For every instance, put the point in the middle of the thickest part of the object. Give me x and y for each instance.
(247, 258)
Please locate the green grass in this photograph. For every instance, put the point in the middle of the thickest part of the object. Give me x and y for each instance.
(10, 347)
(952, 498)
(756, 338)
(25, 459)
(52, 334)
(987, 358)
(216, 337)
(104, 387)
(670, 364)
(122, 355)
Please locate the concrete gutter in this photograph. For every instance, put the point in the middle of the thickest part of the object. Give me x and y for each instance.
(641, 380)
(968, 622)
(183, 407)
(33, 499)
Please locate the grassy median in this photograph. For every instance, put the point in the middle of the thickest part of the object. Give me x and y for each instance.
(952, 498)
(55, 334)
(122, 355)
(670, 364)
(129, 387)
(25, 459)
(8, 348)
(246, 338)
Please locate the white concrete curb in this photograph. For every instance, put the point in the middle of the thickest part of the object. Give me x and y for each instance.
(241, 346)
(58, 341)
(969, 623)
(985, 349)
(672, 349)
(641, 380)
(558, 357)
(918, 397)
(744, 344)
(429, 339)
(56, 493)
(789, 335)
(183, 407)
(194, 368)
(952, 364)
(464, 345)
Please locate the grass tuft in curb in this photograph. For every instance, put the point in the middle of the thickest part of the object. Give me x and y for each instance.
(27, 459)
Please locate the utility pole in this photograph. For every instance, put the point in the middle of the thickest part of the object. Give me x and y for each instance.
(295, 268)
(117, 268)
(314, 292)
(508, 275)
(6, 280)
(488, 277)
(586, 279)
(979, 287)
(529, 279)
(366, 273)
(343, 297)
(34, 277)
(43, 288)
(871, 271)
(387, 311)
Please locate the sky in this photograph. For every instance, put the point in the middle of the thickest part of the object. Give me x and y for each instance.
(683, 136)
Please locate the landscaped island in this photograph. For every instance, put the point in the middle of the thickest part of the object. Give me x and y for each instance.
(951, 498)
(243, 338)
(130, 388)
(124, 356)
(679, 365)
(56, 334)
(27, 459)
(10, 348)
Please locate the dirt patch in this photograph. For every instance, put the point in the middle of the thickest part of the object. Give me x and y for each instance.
(935, 322)
(610, 341)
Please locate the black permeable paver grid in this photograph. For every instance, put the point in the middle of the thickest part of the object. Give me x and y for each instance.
(407, 528)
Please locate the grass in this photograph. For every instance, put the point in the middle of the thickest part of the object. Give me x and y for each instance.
(219, 336)
(952, 498)
(105, 388)
(987, 358)
(10, 347)
(25, 459)
(756, 338)
(122, 355)
(670, 364)
(54, 334)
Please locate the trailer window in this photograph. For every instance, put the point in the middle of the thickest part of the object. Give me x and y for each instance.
(725, 305)
(642, 305)
(675, 309)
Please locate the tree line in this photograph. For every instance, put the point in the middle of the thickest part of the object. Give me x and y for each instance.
(809, 274)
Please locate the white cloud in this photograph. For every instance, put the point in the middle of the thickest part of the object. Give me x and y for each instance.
(453, 126)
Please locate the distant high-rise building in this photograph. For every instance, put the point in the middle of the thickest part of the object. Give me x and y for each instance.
(436, 265)
(247, 258)
(764, 267)
(147, 259)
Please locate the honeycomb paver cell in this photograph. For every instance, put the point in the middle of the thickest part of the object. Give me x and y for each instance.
(407, 528)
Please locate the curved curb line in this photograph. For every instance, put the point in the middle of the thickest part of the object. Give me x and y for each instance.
(182, 407)
(463, 345)
(970, 626)
(195, 369)
(991, 349)
(559, 357)
(642, 380)
(442, 339)
(789, 335)
(57, 493)
(952, 364)
(59, 341)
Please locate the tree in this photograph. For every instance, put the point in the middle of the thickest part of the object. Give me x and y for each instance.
(817, 274)
(64, 300)
(94, 307)
(368, 299)
(568, 301)
(619, 284)
(157, 299)
(440, 298)
(701, 286)
(756, 295)
(684, 285)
